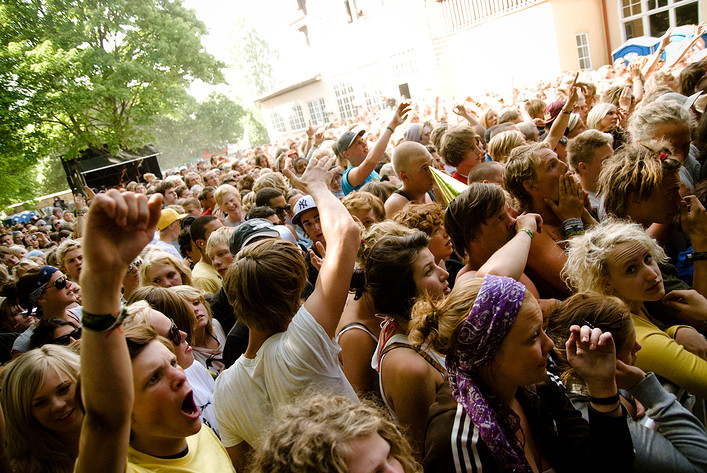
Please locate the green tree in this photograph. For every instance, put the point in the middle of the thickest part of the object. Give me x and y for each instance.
(81, 74)
(197, 127)
(252, 57)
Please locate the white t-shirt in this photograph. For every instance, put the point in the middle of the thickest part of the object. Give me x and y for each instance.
(302, 357)
(202, 385)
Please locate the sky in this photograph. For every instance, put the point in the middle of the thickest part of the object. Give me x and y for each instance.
(271, 18)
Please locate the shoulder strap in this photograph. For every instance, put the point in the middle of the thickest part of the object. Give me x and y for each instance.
(420, 352)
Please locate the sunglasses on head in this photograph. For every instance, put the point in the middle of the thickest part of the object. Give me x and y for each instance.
(66, 339)
(174, 335)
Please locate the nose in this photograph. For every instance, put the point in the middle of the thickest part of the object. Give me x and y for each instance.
(444, 274)
(178, 377)
(58, 403)
(651, 274)
(548, 343)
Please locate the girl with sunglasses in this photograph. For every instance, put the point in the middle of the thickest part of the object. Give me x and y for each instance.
(52, 295)
(56, 332)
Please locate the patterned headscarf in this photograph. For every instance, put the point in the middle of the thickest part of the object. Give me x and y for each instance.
(489, 321)
(40, 284)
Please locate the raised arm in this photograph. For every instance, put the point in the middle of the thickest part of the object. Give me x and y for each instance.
(359, 174)
(560, 124)
(342, 237)
(118, 227)
(511, 258)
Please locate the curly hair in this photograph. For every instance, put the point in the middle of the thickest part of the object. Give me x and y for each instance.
(502, 144)
(587, 265)
(361, 201)
(636, 169)
(423, 217)
(314, 434)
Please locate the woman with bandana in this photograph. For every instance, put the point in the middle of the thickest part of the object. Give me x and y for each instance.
(52, 295)
(500, 410)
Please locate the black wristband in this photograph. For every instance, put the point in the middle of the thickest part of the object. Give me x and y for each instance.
(697, 256)
(102, 322)
(605, 401)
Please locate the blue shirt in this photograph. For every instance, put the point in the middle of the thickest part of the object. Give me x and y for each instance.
(347, 188)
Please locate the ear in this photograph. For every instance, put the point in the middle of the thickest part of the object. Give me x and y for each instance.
(582, 167)
(201, 244)
(528, 186)
(606, 285)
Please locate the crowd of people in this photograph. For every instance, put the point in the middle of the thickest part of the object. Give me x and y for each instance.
(321, 304)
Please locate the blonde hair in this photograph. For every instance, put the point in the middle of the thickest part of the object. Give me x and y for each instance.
(31, 447)
(271, 179)
(218, 237)
(636, 169)
(361, 201)
(66, 246)
(456, 142)
(597, 114)
(191, 294)
(587, 265)
(159, 257)
(501, 145)
(313, 435)
(224, 189)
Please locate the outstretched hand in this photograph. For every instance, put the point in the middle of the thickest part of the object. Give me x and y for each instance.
(117, 228)
(401, 113)
(319, 171)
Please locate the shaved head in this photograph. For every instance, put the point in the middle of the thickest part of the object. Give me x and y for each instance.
(404, 153)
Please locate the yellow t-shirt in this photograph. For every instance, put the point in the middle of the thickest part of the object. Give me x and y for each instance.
(205, 455)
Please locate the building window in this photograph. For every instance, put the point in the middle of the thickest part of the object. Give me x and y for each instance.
(297, 118)
(345, 99)
(585, 59)
(278, 124)
(316, 112)
(655, 17)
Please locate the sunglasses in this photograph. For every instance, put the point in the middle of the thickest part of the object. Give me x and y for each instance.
(60, 283)
(134, 266)
(66, 339)
(286, 208)
(174, 335)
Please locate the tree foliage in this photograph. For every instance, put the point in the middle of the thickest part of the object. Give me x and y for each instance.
(252, 57)
(78, 74)
(197, 127)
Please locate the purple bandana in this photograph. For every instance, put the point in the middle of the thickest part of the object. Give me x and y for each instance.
(40, 284)
(488, 323)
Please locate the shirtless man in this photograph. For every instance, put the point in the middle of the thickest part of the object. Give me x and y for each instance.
(411, 162)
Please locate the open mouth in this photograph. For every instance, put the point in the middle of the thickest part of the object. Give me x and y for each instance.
(189, 406)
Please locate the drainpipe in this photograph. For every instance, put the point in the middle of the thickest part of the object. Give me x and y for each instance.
(607, 38)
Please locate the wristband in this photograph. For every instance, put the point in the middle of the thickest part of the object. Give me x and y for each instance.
(567, 112)
(391, 129)
(697, 256)
(604, 401)
(527, 231)
(103, 322)
(80, 212)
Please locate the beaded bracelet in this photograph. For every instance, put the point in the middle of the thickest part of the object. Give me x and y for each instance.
(572, 227)
(527, 231)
